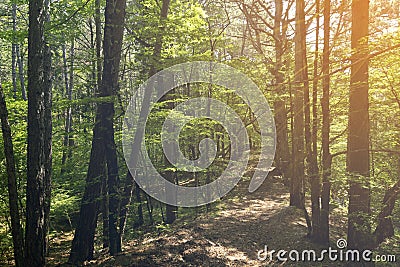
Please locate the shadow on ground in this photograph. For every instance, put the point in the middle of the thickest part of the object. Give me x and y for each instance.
(231, 237)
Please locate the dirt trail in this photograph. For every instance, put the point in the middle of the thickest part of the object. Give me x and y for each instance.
(231, 237)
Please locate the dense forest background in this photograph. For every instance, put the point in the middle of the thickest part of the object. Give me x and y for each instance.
(69, 69)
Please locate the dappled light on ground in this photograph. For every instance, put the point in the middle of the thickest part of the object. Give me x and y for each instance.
(231, 236)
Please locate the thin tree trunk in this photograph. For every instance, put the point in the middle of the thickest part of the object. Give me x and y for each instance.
(16, 229)
(21, 71)
(97, 21)
(326, 154)
(16, 58)
(14, 51)
(170, 211)
(134, 158)
(140, 205)
(297, 183)
(65, 68)
(71, 142)
(313, 170)
(282, 157)
(69, 83)
(39, 135)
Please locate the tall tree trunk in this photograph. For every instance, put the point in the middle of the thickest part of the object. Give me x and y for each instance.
(97, 71)
(97, 21)
(297, 182)
(39, 135)
(135, 154)
(170, 210)
(358, 139)
(48, 135)
(103, 145)
(326, 123)
(16, 229)
(282, 157)
(313, 170)
(83, 242)
(112, 46)
(14, 50)
(69, 83)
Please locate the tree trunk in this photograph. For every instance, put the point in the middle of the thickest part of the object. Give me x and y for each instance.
(385, 228)
(170, 211)
(97, 71)
(83, 242)
(16, 58)
(312, 161)
(69, 83)
(112, 46)
(134, 158)
(326, 122)
(21, 71)
(282, 157)
(16, 229)
(297, 182)
(140, 205)
(48, 135)
(105, 210)
(103, 145)
(358, 139)
(97, 21)
(14, 50)
(39, 135)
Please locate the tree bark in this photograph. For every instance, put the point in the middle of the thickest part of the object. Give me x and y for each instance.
(97, 21)
(105, 210)
(39, 135)
(103, 145)
(312, 160)
(21, 72)
(16, 58)
(282, 157)
(112, 46)
(297, 182)
(326, 122)
(385, 228)
(83, 243)
(14, 50)
(16, 229)
(134, 158)
(358, 138)
(69, 83)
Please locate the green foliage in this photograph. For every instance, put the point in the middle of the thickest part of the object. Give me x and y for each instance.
(205, 30)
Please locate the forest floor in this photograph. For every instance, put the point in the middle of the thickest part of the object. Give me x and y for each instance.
(232, 236)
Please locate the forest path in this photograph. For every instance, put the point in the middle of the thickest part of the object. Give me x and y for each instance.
(232, 236)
